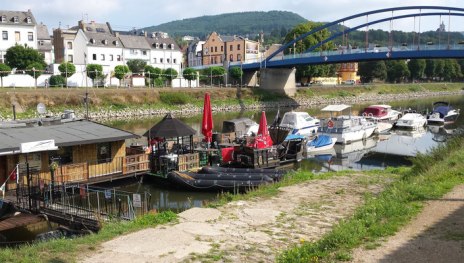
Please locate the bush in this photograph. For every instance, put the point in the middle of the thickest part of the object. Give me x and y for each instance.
(57, 81)
(174, 98)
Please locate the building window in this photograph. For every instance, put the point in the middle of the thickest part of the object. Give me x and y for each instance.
(94, 56)
(69, 45)
(64, 155)
(144, 52)
(215, 49)
(16, 19)
(29, 20)
(17, 36)
(239, 57)
(168, 60)
(231, 57)
(161, 60)
(70, 58)
(222, 48)
(3, 19)
(238, 47)
(30, 36)
(102, 57)
(104, 152)
(231, 48)
(111, 57)
(154, 60)
(174, 61)
(5, 35)
(118, 58)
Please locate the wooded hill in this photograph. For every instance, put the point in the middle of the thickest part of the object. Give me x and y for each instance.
(244, 24)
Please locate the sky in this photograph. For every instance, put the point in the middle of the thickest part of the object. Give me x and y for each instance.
(129, 14)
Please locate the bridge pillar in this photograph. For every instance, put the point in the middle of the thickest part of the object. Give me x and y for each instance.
(280, 80)
(250, 79)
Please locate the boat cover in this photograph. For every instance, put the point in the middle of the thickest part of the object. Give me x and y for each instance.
(443, 110)
(321, 140)
(294, 137)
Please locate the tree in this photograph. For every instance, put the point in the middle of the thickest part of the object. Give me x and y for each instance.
(67, 69)
(154, 75)
(372, 70)
(170, 74)
(430, 67)
(136, 66)
(94, 71)
(4, 71)
(34, 70)
(189, 74)
(417, 68)
(304, 44)
(236, 73)
(120, 72)
(213, 74)
(439, 68)
(397, 71)
(20, 57)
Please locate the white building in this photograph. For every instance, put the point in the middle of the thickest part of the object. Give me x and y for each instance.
(194, 54)
(17, 27)
(95, 43)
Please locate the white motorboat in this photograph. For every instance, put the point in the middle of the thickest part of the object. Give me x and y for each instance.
(381, 113)
(301, 123)
(442, 113)
(411, 121)
(345, 128)
(320, 143)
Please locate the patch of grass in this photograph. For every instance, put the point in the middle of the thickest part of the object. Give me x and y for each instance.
(382, 215)
(174, 98)
(67, 250)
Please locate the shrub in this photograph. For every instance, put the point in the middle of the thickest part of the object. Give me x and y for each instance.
(57, 81)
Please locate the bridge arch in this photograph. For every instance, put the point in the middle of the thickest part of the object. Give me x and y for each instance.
(317, 29)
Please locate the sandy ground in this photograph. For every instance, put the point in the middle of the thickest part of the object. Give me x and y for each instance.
(245, 231)
(435, 235)
(257, 230)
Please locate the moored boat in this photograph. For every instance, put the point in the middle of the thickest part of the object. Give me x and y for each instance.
(381, 113)
(320, 143)
(411, 121)
(442, 113)
(345, 128)
(301, 123)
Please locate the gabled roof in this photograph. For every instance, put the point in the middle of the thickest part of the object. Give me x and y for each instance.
(21, 15)
(42, 32)
(152, 41)
(131, 41)
(79, 132)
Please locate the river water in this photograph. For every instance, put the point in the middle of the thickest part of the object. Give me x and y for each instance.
(393, 149)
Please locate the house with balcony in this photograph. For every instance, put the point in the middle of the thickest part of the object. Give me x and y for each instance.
(66, 149)
(17, 27)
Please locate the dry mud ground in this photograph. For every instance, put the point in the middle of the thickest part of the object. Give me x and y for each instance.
(257, 230)
(245, 231)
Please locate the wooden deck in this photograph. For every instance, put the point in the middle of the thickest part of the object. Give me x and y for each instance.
(19, 221)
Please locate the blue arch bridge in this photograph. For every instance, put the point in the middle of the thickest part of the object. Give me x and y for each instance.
(277, 71)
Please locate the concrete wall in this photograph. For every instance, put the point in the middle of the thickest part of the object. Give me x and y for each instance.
(278, 80)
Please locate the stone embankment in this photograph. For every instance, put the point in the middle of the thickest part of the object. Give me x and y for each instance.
(288, 103)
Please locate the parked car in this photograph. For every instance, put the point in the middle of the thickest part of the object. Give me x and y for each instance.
(349, 82)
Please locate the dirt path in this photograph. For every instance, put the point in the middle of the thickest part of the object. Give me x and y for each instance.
(245, 231)
(435, 235)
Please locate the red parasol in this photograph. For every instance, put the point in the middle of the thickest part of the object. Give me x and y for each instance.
(207, 122)
(263, 132)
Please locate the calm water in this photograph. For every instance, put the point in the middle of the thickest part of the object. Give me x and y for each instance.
(393, 149)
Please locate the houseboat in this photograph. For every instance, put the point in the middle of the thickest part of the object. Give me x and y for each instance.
(66, 150)
(345, 127)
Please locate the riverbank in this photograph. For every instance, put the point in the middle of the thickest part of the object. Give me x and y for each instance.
(130, 103)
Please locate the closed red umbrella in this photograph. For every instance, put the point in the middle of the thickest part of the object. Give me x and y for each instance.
(207, 122)
(263, 132)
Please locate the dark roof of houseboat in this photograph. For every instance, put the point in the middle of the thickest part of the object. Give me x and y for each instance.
(65, 133)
